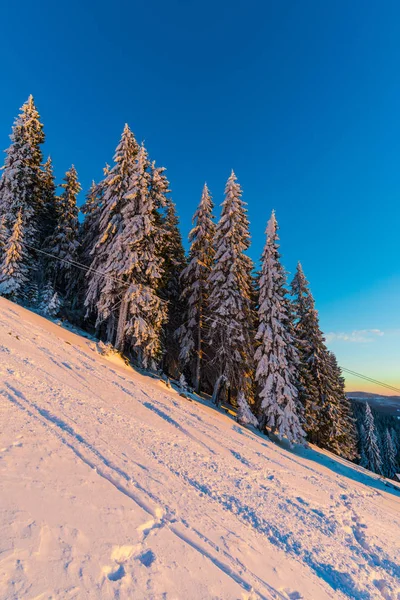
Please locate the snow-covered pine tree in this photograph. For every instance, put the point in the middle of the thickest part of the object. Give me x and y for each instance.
(276, 356)
(372, 459)
(309, 342)
(20, 184)
(63, 244)
(170, 289)
(50, 302)
(13, 269)
(134, 270)
(390, 465)
(49, 202)
(195, 288)
(230, 326)
(113, 189)
(345, 425)
(395, 440)
(328, 419)
(89, 231)
(361, 444)
(244, 414)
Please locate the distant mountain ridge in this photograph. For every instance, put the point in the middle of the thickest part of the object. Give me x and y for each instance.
(366, 395)
(389, 405)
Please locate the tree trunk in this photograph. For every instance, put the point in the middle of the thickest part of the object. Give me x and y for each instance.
(123, 314)
(197, 381)
(110, 328)
(215, 397)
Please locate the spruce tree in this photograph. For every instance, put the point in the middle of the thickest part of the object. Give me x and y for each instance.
(63, 244)
(231, 320)
(170, 288)
(309, 344)
(244, 414)
(389, 456)
(13, 269)
(50, 302)
(345, 439)
(49, 202)
(328, 419)
(21, 183)
(370, 447)
(276, 356)
(113, 189)
(395, 440)
(134, 270)
(195, 292)
(89, 231)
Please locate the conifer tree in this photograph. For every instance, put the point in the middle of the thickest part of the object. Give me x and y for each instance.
(328, 419)
(20, 184)
(49, 202)
(310, 346)
(395, 440)
(114, 189)
(174, 261)
(361, 443)
(370, 447)
(13, 270)
(195, 284)
(344, 440)
(134, 270)
(230, 327)
(389, 456)
(50, 302)
(63, 244)
(89, 231)
(244, 414)
(276, 356)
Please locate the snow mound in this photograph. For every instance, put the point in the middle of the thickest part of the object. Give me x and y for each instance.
(114, 486)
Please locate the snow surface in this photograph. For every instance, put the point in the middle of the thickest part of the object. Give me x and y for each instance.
(114, 486)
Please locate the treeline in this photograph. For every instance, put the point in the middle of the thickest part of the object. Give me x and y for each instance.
(207, 316)
(379, 440)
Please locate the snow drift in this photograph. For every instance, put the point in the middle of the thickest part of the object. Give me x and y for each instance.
(114, 486)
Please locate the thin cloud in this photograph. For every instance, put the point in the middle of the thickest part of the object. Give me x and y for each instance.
(358, 336)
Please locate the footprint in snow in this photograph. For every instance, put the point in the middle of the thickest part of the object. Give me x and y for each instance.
(118, 574)
(147, 558)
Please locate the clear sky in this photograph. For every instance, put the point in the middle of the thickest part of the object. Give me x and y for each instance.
(301, 99)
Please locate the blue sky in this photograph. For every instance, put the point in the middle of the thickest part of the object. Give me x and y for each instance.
(301, 99)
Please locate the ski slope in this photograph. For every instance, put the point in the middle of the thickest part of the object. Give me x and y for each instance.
(114, 486)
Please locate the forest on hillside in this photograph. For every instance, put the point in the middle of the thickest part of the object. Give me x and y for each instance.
(206, 318)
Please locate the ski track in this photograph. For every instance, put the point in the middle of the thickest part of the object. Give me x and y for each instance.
(161, 452)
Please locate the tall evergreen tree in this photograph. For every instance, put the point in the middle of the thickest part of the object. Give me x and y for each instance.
(21, 183)
(230, 327)
(89, 231)
(49, 202)
(13, 270)
(343, 439)
(276, 356)
(370, 447)
(310, 346)
(63, 244)
(135, 269)
(328, 419)
(173, 255)
(114, 190)
(390, 465)
(395, 440)
(195, 287)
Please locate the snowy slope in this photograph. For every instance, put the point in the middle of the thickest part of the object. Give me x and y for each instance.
(113, 486)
